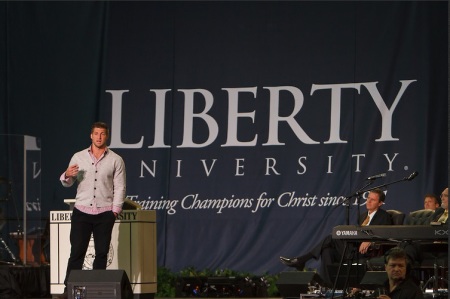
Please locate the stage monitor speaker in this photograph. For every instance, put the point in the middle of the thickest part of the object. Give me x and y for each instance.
(99, 284)
(373, 280)
(294, 283)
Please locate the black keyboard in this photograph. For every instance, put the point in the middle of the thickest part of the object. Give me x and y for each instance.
(390, 232)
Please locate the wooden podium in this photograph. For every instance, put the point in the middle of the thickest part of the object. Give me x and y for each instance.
(133, 249)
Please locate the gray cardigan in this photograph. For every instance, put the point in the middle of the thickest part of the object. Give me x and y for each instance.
(104, 181)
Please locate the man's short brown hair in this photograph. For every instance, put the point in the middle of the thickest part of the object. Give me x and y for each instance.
(436, 199)
(380, 193)
(101, 125)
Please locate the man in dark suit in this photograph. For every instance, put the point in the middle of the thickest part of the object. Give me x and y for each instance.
(399, 285)
(330, 250)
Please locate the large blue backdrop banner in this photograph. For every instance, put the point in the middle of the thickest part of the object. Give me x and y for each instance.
(246, 125)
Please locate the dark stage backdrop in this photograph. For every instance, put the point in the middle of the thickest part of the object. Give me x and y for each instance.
(244, 124)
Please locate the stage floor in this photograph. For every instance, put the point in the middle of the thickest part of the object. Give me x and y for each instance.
(33, 282)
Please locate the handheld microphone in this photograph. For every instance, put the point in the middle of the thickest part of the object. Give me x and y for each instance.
(412, 176)
(377, 176)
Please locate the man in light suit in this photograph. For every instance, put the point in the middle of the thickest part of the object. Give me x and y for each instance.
(441, 213)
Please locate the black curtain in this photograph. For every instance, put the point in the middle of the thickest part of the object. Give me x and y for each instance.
(51, 71)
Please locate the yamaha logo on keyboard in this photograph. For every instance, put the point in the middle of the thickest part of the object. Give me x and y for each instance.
(346, 233)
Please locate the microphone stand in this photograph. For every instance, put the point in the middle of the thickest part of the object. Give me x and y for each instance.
(358, 193)
(347, 202)
(409, 178)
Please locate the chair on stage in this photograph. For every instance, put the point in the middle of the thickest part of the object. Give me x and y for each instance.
(419, 217)
(397, 216)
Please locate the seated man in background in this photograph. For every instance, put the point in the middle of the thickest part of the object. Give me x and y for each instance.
(441, 213)
(431, 202)
(330, 250)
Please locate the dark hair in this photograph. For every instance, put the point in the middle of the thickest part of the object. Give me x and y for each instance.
(436, 199)
(101, 125)
(396, 253)
(380, 193)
